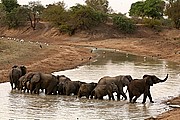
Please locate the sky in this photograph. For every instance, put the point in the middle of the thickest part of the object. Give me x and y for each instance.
(122, 6)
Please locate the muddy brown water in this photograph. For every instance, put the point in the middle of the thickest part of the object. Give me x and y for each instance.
(16, 105)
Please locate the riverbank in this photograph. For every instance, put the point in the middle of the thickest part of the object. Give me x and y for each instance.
(47, 51)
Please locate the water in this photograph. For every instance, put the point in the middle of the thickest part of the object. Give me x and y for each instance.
(16, 105)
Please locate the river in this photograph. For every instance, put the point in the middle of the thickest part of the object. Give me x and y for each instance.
(16, 105)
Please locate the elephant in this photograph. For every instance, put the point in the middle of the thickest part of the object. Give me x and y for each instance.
(86, 89)
(15, 74)
(102, 90)
(72, 87)
(42, 81)
(24, 85)
(142, 86)
(62, 79)
(121, 81)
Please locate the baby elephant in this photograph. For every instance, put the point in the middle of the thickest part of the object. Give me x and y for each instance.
(102, 90)
(86, 89)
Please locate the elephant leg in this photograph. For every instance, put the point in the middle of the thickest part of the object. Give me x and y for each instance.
(12, 85)
(45, 91)
(137, 96)
(79, 95)
(87, 96)
(100, 98)
(123, 94)
(113, 97)
(49, 90)
(95, 96)
(118, 96)
(150, 98)
(144, 98)
(130, 96)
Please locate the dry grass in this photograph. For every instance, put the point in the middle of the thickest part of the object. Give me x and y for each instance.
(12, 51)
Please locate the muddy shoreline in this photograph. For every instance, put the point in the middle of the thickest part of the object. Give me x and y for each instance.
(63, 53)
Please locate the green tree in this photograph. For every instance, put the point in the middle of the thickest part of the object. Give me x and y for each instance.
(2, 15)
(84, 17)
(173, 12)
(137, 9)
(34, 11)
(9, 4)
(98, 5)
(123, 23)
(154, 8)
(148, 8)
(55, 13)
(17, 17)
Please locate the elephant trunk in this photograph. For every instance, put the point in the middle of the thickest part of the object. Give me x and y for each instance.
(164, 79)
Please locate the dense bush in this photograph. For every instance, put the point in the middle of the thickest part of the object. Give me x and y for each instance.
(152, 22)
(84, 17)
(123, 23)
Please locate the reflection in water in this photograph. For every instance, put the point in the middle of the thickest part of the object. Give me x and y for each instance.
(15, 105)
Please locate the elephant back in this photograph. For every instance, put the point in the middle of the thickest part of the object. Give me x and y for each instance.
(106, 80)
(87, 87)
(63, 79)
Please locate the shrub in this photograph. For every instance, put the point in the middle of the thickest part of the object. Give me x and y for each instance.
(124, 24)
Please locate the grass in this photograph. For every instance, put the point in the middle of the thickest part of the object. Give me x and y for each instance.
(12, 51)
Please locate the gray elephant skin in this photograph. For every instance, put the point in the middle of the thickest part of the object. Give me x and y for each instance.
(142, 86)
(72, 87)
(86, 89)
(15, 74)
(121, 81)
(23, 85)
(42, 81)
(62, 80)
(102, 90)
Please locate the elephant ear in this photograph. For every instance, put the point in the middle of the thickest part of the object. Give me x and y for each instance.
(23, 70)
(125, 81)
(149, 80)
(129, 78)
(15, 66)
(35, 78)
(146, 76)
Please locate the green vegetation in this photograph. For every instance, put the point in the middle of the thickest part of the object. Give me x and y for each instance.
(173, 12)
(92, 14)
(123, 23)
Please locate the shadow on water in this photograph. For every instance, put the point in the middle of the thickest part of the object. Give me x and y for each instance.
(15, 105)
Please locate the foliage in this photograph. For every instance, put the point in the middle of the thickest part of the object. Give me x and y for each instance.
(151, 22)
(137, 9)
(154, 8)
(35, 9)
(98, 5)
(84, 17)
(17, 17)
(123, 23)
(148, 8)
(173, 9)
(2, 15)
(9, 4)
(55, 13)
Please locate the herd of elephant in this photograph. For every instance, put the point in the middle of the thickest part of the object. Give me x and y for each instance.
(34, 82)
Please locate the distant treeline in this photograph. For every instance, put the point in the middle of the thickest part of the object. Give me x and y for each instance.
(93, 13)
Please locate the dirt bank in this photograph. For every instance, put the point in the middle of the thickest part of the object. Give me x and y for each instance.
(51, 51)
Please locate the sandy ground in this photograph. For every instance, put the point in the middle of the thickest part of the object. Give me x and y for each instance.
(60, 52)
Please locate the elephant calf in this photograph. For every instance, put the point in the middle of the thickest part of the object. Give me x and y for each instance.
(72, 87)
(120, 80)
(86, 89)
(24, 85)
(62, 80)
(102, 90)
(138, 87)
